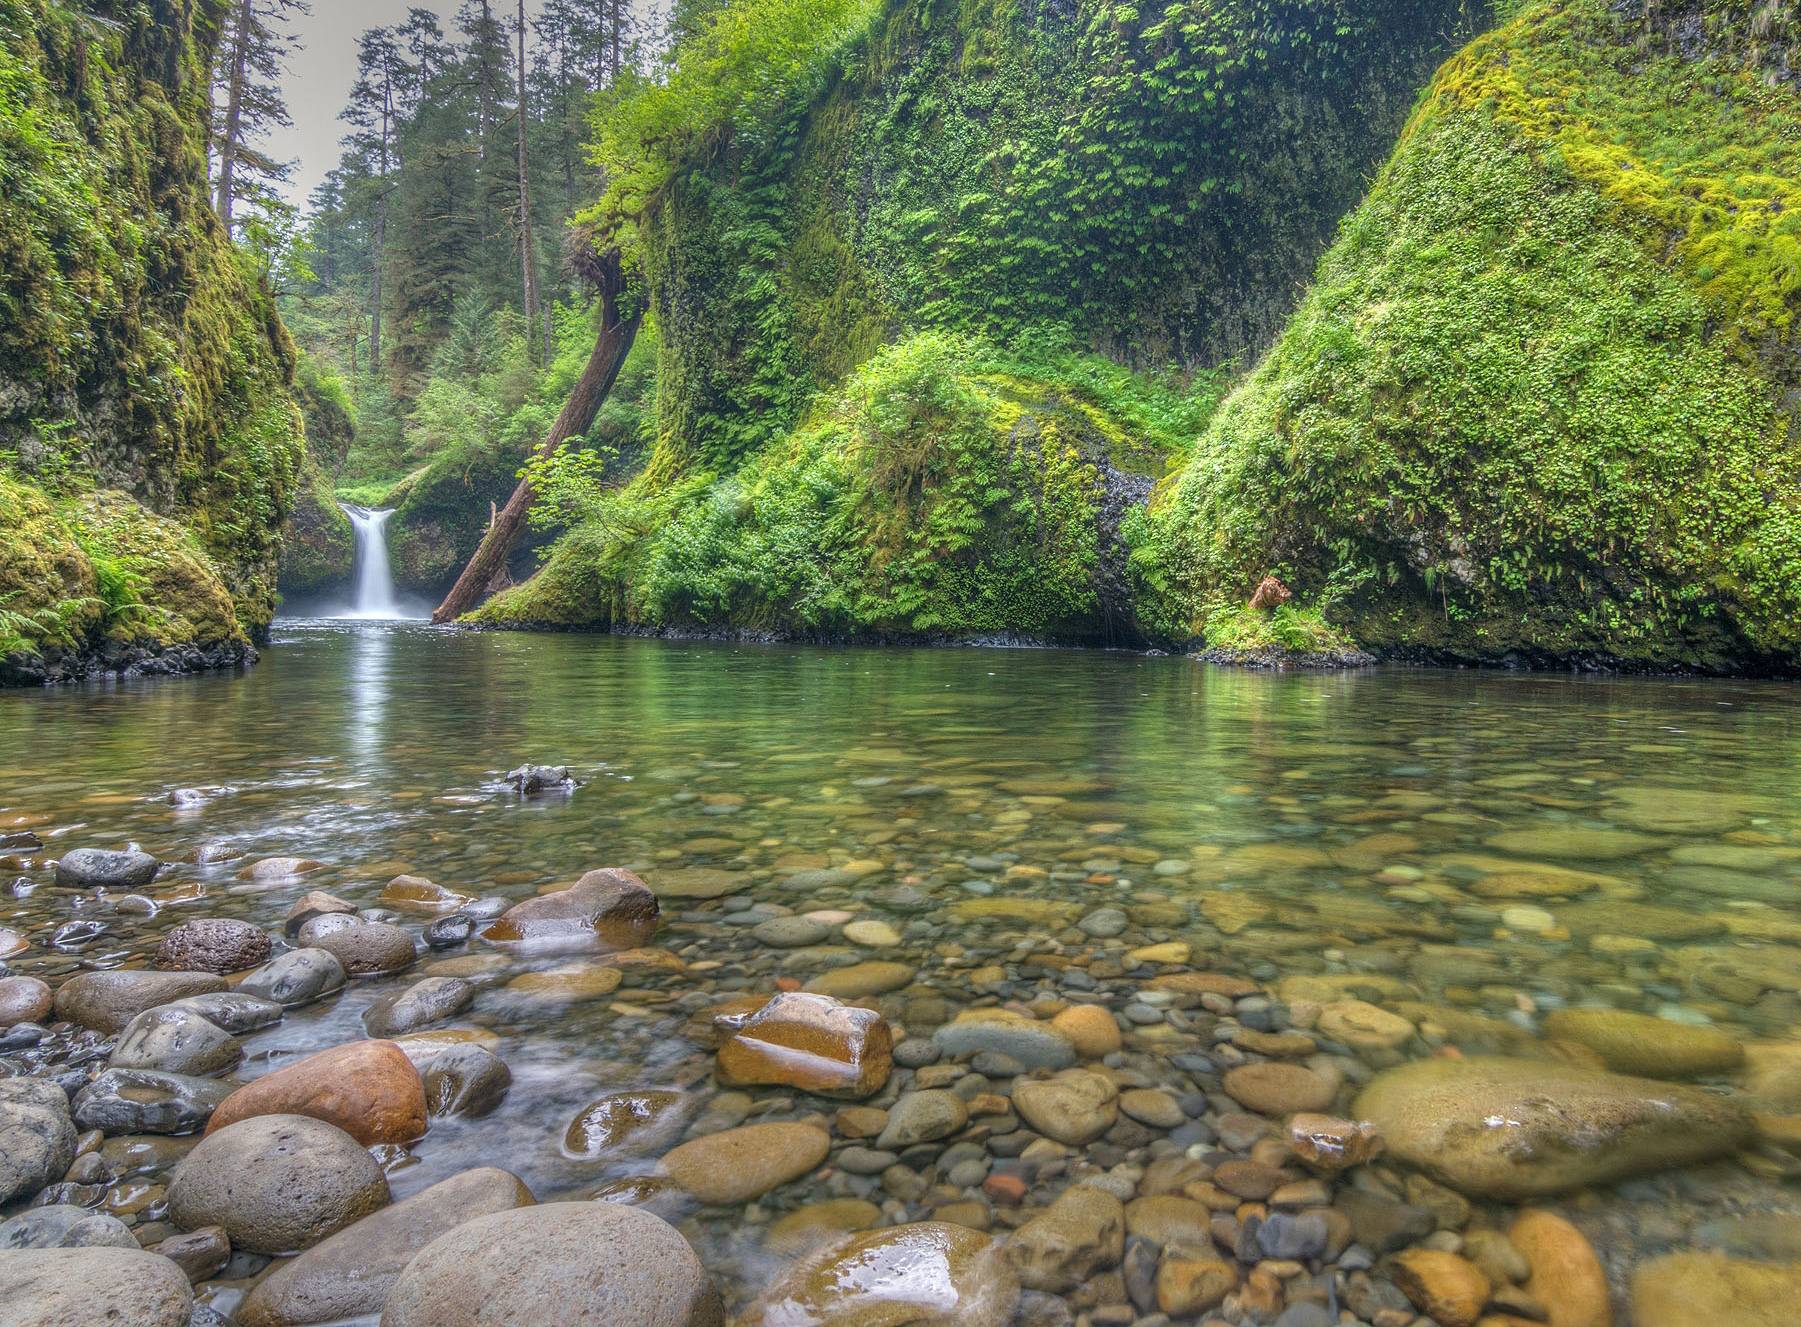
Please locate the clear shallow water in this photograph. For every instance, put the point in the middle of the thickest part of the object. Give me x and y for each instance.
(1278, 824)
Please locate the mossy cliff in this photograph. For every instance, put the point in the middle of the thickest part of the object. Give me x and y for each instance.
(1025, 189)
(148, 440)
(1540, 403)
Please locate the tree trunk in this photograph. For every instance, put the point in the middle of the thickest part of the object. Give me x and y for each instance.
(234, 112)
(528, 256)
(591, 389)
(380, 237)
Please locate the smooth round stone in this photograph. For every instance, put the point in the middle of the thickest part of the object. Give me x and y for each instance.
(427, 1001)
(790, 932)
(605, 909)
(213, 944)
(1075, 1107)
(465, 1080)
(1632, 1043)
(63, 1227)
(310, 906)
(1152, 1107)
(1503, 1128)
(923, 1117)
(859, 981)
(37, 1139)
(1564, 1270)
(449, 932)
(107, 1001)
(1104, 923)
(1090, 1028)
(276, 1183)
(626, 1124)
(370, 1089)
(1521, 917)
(367, 949)
(175, 1041)
(1363, 1026)
(1080, 1234)
(556, 1265)
(296, 978)
(931, 1274)
(1712, 1290)
(351, 1273)
(129, 1101)
(744, 1163)
(23, 1000)
(810, 1227)
(98, 868)
(274, 870)
(231, 1011)
(872, 934)
(1032, 1044)
(1271, 1088)
(84, 1287)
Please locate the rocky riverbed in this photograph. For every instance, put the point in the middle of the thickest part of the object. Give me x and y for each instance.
(1455, 1012)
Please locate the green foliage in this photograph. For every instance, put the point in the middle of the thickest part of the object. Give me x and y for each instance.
(1290, 628)
(1499, 424)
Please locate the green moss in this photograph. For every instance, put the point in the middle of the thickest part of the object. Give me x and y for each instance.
(135, 352)
(49, 595)
(318, 545)
(157, 583)
(1289, 629)
(1515, 415)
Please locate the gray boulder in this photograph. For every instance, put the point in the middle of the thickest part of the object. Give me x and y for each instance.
(424, 1002)
(367, 949)
(124, 1101)
(37, 1139)
(465, 1080)
(97, 868)
(276, 1183)
(213, 944)
(232, 1011)
(64, 1227)
(85, 1287)
(350, 1274)
(558, 1265)
(295, 978)
(176, 1041)
(107, 1001)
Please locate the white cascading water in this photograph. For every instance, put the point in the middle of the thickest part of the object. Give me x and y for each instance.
(374, 579)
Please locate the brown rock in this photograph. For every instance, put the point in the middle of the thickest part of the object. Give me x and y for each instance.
(1567, 1278)
(1187, 1286)
(23, 1000)
(314, 904)
(1078, 1236)
(1331, 1144)
(1170, 1221)
(1090, 1028)
(859, 981)
(626, 1124)
(412, 893)
(606, 909)
(1442, 1285)
(932, 1274)
(369, 1089)
(1712, 1290)
(810, 1042)
(1270, 1088)
(744, 1163)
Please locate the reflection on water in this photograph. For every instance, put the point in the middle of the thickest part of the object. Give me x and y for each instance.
(1497, 845)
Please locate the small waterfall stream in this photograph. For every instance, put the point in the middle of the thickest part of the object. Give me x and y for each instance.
(374, 579)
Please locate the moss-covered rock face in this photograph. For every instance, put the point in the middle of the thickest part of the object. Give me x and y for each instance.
(318, 549)
(1540, 404)
(441, 513)
(134, 353)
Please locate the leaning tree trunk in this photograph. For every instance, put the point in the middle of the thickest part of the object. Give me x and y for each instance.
(591, 390)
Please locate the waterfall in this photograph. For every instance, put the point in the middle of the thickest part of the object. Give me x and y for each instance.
(374, 580)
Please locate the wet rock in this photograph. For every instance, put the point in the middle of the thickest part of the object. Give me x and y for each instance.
(1331, 1144)
(1630, 1043)
(231, 1011)
(276, 1183)
(1447, 1288)
(412, 893)
(213, 944)
(1152, 1107)
(790, 932)
(810, 1042)
(318, 903)
(449, 932)
(351, 1273)
(1170, 1221)
(1080, 1235)
(1076, 1107)
(1565, 1276)
(1032, 1044)
(923, 1117)
(427, 1001)
(201, 1254)
(529, 780)
(744, 1163)
(63, 1227)
(1363, 1026)
(1187, 1286)
(1691, 1289)
(1090, 1028)
(605, 909)
(626, 1124)
(819, 1224)
(567, 983)
(1272, 1088)
(859, 981)
(369, 1089)
(23, 1000)
(558, 1265)
(932, 1274)
(176, 1041)
(274, 870)
(296, 978)
(37, 1139)
(467, 1081)
(1495, 1127)
(97, 868)
(127, 1101)
(107, 1001)
(366, 949)
(82, 1287)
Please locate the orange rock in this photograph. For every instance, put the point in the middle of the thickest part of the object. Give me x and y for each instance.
(1330, 1144)
(1442, 1285)
(1204, 983)
(1193, 1285)
(608, 909)
(369, 1089)
(412, 893)
(1091, 1028)
(1567, 1277)
(811, 1042)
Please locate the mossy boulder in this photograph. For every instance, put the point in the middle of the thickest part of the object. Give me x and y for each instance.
(318, 543)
